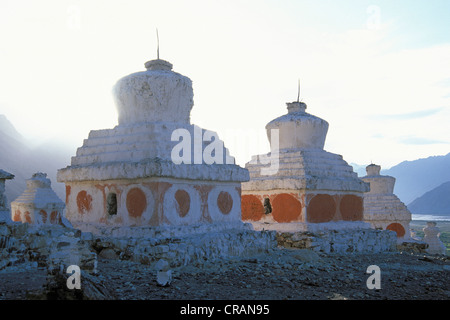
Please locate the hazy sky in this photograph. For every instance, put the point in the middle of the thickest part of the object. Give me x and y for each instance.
(377, 71)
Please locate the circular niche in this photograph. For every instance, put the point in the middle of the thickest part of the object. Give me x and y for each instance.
(286, 208)
(184, 202)
(223, 203)
(398, 228)
(321, 208)
(251, 207)
(136, 202)
(182, 205)
(84, 202)
(351, 208)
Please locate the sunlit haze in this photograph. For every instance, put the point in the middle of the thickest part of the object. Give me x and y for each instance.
(377, 71)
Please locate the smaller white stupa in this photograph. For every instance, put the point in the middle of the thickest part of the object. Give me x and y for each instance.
(302, 187)
(382, 208)
(431, 237)
(38, 204)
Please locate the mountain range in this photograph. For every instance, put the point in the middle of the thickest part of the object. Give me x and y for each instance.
(18, 158)
(438, 199)
(416, 178)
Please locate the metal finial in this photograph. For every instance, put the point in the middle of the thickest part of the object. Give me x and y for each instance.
(157, 38)
(298, 94)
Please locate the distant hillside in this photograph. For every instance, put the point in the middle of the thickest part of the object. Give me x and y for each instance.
(359, 169)
(414, 178)
(434, 202)
(18, 158)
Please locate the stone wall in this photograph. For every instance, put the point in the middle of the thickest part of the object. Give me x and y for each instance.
(46, 246)
(340, 241)
(51, 246)
(180, 245)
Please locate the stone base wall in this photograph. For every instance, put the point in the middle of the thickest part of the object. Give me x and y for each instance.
(412, 246)
(400, 227)
(340, 241)
(53, 246)
(180, 245)
(46, 246)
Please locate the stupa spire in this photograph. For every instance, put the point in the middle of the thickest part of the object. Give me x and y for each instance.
(157, 42)
(158, 64)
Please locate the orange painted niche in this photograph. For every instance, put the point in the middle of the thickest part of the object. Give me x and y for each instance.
(398, 228)
(251, 208)
(321, 208)
(136, 202)
(286, 208)
(351, 207)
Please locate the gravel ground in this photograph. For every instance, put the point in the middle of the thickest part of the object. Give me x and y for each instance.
(283, 274)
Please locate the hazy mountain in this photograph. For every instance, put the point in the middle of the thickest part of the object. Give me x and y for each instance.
(359, 169)
(18, 158)
(8, 129)
(414, 178)
(434, 202)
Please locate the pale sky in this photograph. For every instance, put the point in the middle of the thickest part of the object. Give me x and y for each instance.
(377, 71)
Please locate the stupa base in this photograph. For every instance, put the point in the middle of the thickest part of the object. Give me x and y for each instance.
(178, 245)
(332, 237)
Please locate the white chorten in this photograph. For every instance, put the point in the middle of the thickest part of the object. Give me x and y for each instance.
(38, 204)
(431, 237)
(301, 184)
(4, 209)
(382, 208)
(155, 167)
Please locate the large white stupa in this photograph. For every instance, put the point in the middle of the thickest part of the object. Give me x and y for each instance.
(298, 185)
(155, 167)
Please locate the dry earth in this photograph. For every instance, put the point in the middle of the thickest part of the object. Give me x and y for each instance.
(282, 274)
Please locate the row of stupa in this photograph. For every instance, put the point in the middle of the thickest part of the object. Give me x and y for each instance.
(126, 176)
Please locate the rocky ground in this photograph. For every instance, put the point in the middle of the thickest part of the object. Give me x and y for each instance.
(282, 274)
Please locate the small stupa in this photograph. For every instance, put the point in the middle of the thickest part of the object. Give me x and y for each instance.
(382, 208)
(4, 208)
(155, 167)
(431, 237)
(298, 186)
(38, 204)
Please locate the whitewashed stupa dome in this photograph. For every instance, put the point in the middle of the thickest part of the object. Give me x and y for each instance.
(155, 95)
(299, 129)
